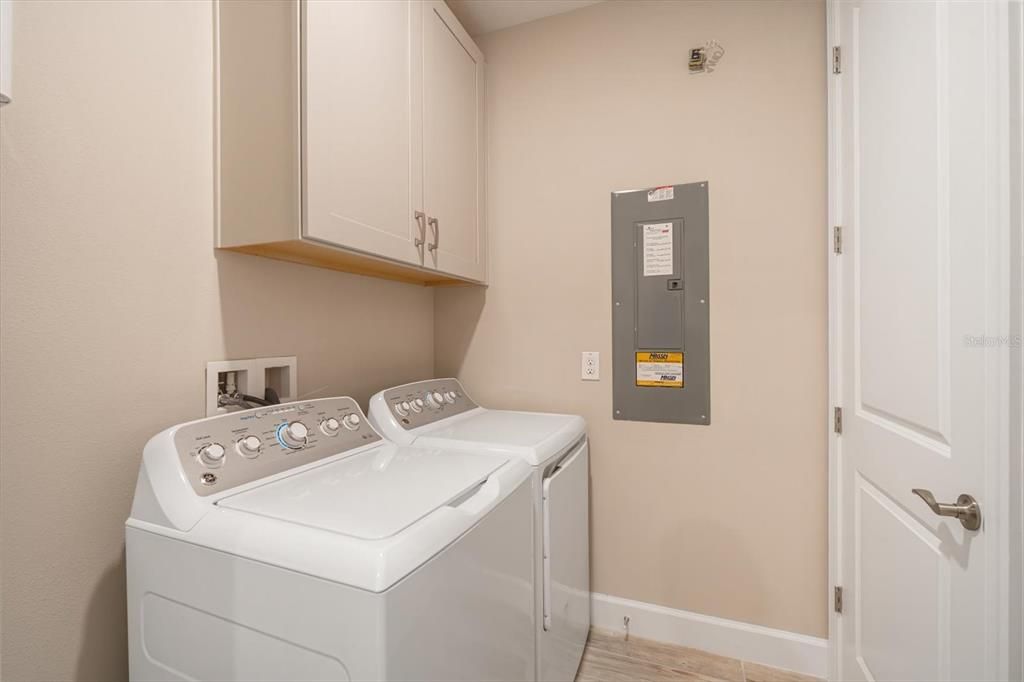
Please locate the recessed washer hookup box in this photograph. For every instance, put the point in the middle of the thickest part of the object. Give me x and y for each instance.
(660, 305)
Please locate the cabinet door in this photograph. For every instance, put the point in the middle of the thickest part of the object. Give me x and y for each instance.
(453, 72)
(362, 141)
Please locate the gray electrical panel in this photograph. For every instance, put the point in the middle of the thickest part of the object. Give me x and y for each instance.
(660, 305)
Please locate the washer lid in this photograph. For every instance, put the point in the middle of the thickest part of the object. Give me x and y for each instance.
(533, 436)
(371, 495)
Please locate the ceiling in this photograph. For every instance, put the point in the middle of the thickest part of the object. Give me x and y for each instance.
(484, 16)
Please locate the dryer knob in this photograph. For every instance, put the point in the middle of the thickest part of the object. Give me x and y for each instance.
(330, 426)
(434, 399)
(212, 454)
(449, 397)
(351, 421)
(248, 446)
(417, 405)
(292, 436)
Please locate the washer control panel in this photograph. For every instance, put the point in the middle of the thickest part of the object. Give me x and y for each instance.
(426, 402)
(231, 449)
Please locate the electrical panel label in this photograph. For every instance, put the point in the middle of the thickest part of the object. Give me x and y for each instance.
(659, 369)
(659, 258)
(661, 193)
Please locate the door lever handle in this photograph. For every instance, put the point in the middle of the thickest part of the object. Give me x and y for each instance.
(966, 508)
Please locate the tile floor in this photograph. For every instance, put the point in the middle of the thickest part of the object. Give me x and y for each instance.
(610, 658)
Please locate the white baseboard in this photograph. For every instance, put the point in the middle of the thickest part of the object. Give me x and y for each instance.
(755, 643)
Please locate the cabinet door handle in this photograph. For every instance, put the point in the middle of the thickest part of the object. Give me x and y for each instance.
(421, 240)
(436, 227)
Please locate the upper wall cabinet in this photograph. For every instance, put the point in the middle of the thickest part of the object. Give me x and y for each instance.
(351, 137)
(453, 143)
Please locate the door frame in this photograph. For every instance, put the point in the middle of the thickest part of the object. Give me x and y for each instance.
(1004, 493)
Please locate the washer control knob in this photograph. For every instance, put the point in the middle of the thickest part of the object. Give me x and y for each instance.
(402, 408)
(330, 426)
(449, 397)
(212, 455)
(434, 399)
(351, 421)
(249, 446)
(417, 405)
(293, 435)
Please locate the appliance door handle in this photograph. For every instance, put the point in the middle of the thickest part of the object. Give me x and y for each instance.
(567, 459)
(436, 228)
(468, 495)
(482, 496)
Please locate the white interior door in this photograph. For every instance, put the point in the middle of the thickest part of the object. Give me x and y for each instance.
(919, 133)
(362, 134)
(453, 74)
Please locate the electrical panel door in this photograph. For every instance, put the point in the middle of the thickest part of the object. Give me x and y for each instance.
(661, 346)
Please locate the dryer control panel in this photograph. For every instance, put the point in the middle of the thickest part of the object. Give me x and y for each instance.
(426, 402)
(228, 450)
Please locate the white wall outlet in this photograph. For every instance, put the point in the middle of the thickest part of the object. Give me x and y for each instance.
(252, 377)
(591, 366)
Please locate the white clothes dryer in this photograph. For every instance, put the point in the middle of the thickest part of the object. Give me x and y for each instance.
(293, 542)
(439, 414)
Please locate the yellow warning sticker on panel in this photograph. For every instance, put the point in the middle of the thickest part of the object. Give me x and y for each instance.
(659, 369)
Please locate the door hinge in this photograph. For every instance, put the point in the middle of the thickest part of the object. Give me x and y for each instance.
(837, 65)
(837, 419)
(837, 239)
(837, 600)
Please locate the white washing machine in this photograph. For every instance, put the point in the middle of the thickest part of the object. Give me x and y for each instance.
(439, 414)
(292, 542)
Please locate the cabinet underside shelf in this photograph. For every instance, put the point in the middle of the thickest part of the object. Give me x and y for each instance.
(323, 256)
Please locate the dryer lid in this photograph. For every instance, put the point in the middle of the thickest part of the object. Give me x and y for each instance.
(534, 436)
(372, 495)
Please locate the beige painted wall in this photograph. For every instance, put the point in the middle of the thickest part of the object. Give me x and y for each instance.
(112, 301)
(727, 520)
